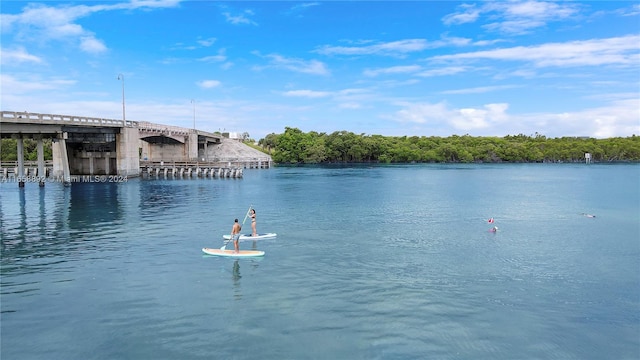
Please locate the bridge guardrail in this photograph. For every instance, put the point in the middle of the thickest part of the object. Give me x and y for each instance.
(147, 126)
(55, 119)
(26, 163)
(214, 162)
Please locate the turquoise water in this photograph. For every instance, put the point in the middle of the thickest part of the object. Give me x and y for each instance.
(370, 262)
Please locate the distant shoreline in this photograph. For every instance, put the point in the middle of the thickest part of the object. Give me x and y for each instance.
(295, 146)
(339, 164)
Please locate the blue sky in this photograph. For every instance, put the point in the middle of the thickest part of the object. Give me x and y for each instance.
(432, 68)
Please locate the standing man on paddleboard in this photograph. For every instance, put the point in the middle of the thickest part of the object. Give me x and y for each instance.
(235, 234)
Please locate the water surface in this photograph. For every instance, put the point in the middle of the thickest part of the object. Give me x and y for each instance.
(370, 262)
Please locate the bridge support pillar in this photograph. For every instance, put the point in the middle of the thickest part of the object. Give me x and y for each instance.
(127, 157)
(107, 160)
(20, 161)
(61, 159)
(41, 172)
(91, 170)
(192, 146)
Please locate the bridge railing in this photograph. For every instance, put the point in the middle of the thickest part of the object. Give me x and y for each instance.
(147, 163)
(9, 169)
(55, 119)
(240, 159)
(151, 127)
(10, 164)
(245, 162)
(226, 162)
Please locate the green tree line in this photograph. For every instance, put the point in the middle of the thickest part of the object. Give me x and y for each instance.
(297, 147)
(9, 149)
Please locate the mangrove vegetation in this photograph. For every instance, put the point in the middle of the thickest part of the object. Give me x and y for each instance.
(297, 147)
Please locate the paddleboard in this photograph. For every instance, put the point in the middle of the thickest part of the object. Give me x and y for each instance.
(233, 253)
(249, 237)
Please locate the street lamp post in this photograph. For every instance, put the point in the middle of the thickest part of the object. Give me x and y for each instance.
(194, 113)
(121, 77)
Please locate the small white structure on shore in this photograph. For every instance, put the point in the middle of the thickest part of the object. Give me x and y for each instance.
(587, 158)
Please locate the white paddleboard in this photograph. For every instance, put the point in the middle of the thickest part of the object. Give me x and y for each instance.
(233, 253)
(249, 237)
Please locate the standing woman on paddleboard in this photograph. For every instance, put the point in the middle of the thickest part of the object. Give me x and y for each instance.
(253, 222)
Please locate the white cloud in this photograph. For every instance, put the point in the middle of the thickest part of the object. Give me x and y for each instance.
(443, 71)
(515, 26)
(213, 58)
(392, 70)
(307, 93)
(350, 92)
(92, 45)
(534, 9)
(304, 5)
(30, 85)
(313, 67)
(221, 57)
(514, 17)
(18, 55)
(7, 21)
(200, 43)
(208, 84)
(423, 113)
(150, 4)
(399, 48)
(619, 117)
(345, 99)
(298, 9)
(350, 105)
(393, 48)
(468, 119)
(207, 42)
(478, 90)
(464, 119)
(240, 18)
(42, 23)
(466, 14)
(611, 51)
(633, 11)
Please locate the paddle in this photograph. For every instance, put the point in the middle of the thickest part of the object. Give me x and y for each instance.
(247, 214)
(224, 247)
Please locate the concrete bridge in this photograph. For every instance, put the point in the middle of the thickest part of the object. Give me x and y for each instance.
(97, 146)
